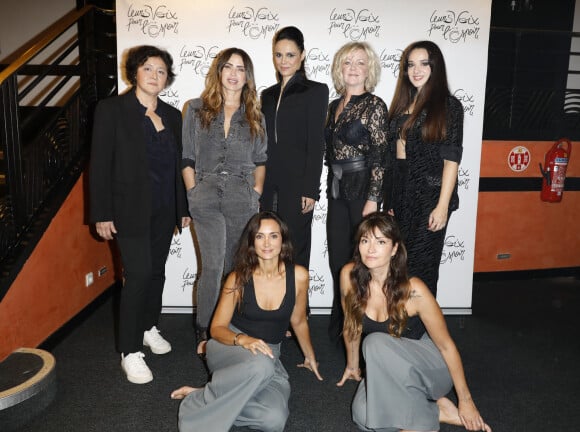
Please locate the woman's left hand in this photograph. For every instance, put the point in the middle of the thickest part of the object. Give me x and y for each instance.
(370, 207)
(471, 418)
(437, 219)
(185, 221)
(307, 204)
(311, 366)
(255, 345)
(350, 373)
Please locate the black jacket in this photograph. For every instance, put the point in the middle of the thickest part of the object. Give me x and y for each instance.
(119, 169)
(296, 133)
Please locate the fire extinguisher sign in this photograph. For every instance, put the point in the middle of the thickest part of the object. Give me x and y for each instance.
(519, 159)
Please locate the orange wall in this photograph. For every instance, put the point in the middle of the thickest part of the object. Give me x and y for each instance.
(538, 235)
(50, 289)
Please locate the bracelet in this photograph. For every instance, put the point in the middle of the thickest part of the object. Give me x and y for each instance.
(236, 338)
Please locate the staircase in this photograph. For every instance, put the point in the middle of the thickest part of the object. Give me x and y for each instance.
(48, 90)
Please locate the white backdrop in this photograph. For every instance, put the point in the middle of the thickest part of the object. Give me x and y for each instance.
(194, 31)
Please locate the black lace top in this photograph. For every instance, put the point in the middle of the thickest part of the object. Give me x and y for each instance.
(360, 131)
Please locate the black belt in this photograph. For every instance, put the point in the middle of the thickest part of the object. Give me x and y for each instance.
(340, 168)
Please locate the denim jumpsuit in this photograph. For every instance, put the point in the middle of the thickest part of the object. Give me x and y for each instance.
(223, 198)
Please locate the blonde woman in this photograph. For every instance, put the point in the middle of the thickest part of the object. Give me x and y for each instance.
(356, 143)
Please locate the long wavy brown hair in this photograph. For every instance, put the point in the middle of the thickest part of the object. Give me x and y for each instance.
(395, 288)
(213, 99)
(431, 100)
(246, 259)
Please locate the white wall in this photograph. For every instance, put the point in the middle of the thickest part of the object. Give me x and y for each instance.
(194, 31)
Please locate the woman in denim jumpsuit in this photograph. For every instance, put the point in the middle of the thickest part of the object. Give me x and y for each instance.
(224, 156)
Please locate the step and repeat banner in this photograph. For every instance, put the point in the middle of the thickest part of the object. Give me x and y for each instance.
(194, 31)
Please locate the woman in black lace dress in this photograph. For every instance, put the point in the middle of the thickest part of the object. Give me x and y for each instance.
(425, 146)
(355, 149)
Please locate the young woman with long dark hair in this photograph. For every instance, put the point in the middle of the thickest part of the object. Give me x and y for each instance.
(264, 294)
(411, 360)
(425, 138)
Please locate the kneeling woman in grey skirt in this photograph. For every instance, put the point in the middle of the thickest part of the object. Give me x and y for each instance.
(411, 360)
(260, 298)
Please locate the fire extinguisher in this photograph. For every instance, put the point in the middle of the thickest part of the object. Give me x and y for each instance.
(554, 174)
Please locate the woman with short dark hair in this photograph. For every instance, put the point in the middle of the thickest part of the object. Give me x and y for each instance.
(137, 197)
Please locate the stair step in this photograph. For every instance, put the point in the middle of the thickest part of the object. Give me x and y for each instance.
(27, 386)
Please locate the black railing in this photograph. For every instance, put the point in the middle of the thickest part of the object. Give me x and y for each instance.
(47, 92)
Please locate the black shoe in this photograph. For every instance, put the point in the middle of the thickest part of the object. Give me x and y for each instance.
(201, 342)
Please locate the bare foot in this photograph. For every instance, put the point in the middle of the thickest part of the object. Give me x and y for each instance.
(448, 412)
(181, 392)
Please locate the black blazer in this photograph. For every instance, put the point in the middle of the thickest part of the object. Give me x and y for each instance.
(296, 133)
(119, 169)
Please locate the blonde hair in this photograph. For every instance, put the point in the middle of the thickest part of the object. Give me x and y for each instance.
(374, 66)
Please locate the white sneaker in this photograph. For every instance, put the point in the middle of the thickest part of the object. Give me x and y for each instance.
(155, 341)
(136, 369)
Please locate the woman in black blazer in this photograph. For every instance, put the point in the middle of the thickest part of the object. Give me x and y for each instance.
(295, 112)
(137, 196)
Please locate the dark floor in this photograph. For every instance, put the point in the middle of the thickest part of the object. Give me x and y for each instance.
(520, 348)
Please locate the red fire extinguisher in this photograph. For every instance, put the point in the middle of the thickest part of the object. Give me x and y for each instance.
(554, 174)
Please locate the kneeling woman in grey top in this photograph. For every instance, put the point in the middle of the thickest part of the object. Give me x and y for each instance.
(411, 360)
(260, 298)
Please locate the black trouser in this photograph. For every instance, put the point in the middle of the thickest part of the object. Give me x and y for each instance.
(143, 258)
(287, 202)
(342, 219)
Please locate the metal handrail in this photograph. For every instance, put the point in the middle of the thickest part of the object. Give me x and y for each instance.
(45, 147)
(30, 50)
